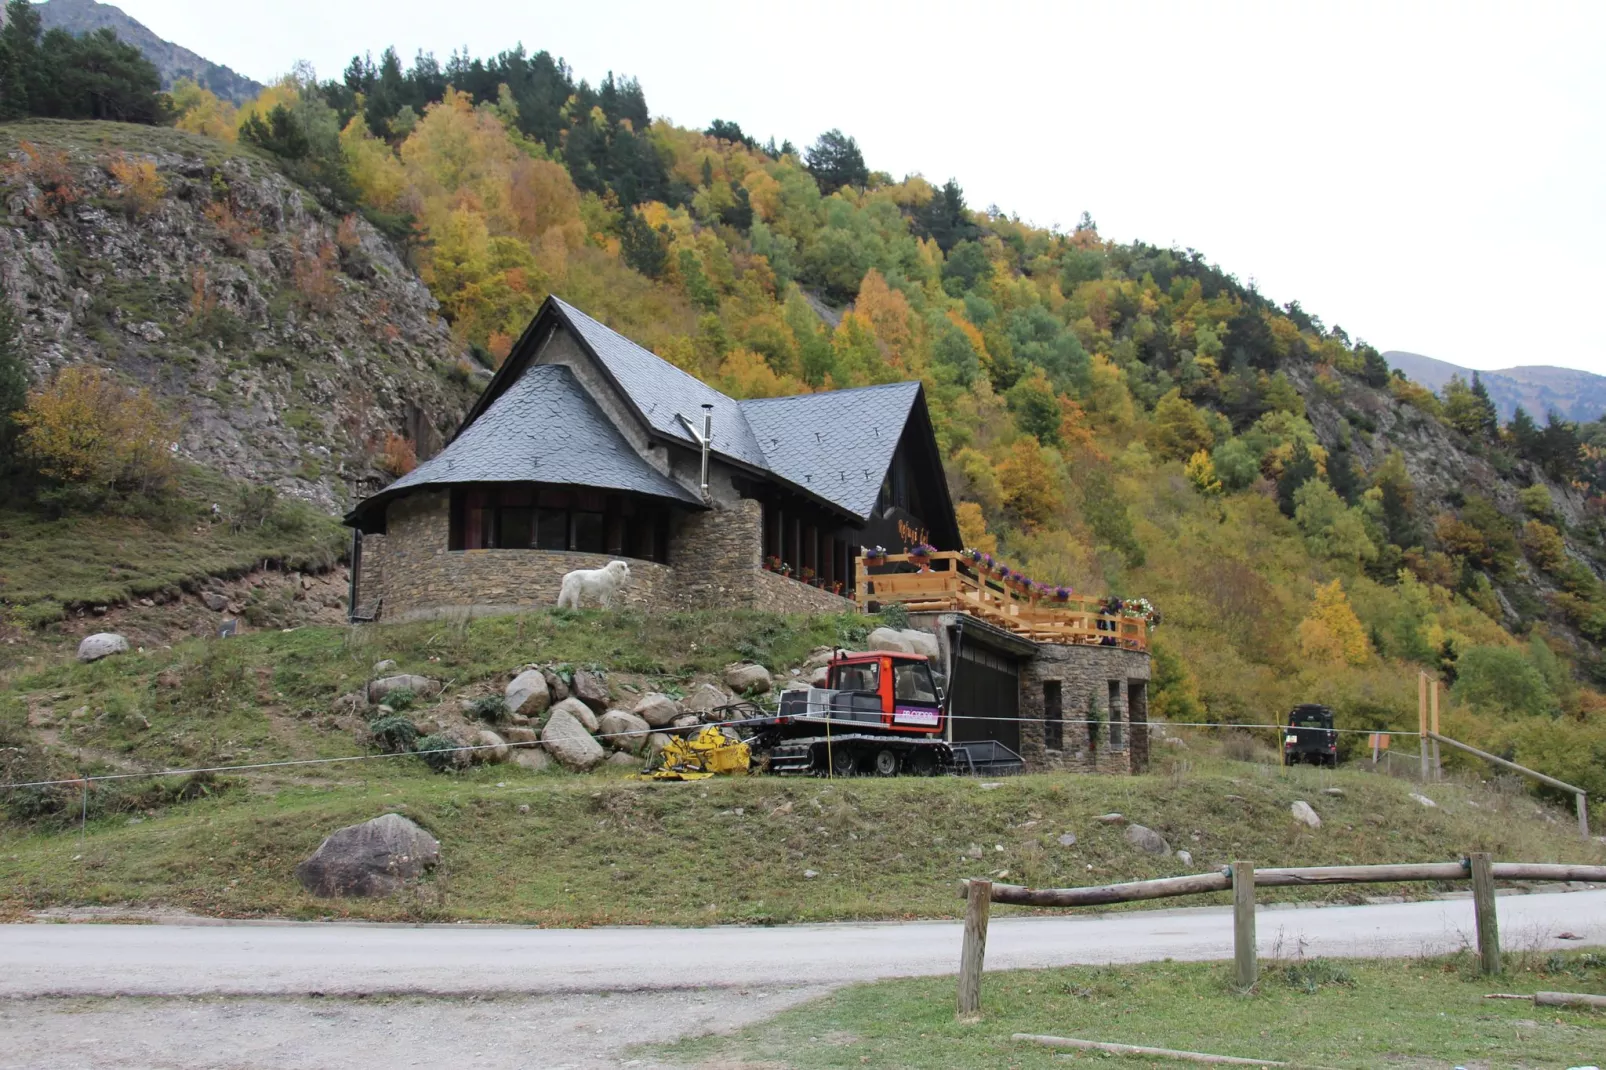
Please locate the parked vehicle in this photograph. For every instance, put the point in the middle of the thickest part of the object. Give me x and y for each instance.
(1310, 736)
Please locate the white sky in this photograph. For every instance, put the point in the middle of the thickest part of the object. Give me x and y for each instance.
(1429, 176)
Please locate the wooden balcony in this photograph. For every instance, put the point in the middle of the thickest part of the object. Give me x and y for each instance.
(951, 583)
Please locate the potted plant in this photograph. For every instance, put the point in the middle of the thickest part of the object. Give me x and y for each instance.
(806, 574)
(920, 555)
(873, 555)
(772, 563)
(1063, 594)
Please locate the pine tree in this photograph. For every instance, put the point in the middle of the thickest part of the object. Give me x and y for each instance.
(1488, 417)
(835, 161)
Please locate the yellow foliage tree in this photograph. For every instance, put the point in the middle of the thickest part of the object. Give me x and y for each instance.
(375, 170)
(973, 528)
(1201, 472)
(1031, 488)
(84, 427)
(1332, 633)
(200, 111)
(1179, 428)
(746, 374)
(889, 315)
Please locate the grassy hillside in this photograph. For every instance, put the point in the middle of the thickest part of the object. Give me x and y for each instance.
(557, 848)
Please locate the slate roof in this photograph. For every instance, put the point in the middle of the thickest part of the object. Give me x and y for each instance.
(837, 444)
(662, 392)
(544, 428)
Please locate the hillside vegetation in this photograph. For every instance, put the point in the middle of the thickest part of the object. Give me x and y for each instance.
(1116, 417)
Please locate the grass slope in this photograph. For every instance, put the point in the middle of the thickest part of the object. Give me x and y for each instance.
(1400, 1013)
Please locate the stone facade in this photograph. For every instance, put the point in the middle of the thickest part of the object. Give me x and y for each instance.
(714, 562)
(1112, 683)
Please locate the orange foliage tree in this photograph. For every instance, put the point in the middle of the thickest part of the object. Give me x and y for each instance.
(83, 427)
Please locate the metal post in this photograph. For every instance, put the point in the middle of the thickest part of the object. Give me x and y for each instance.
(1246, 968)
(978, 903)
(1484, 912)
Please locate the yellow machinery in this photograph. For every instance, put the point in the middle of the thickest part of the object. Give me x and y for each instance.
(701, 756)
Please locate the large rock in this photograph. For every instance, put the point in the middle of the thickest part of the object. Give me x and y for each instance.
(888, 639)
(496, 749)
(657, 709)
(623, 731)
(590, 689)
(555, 685)
(657, 742)
(1146, 839)
(579, 711)
(567, 740)
(921, 643)
(528, 695)
(532, 758)
(624, 758)
(519, 733)
(820, 677)
(819, 657)
(101, 645)
(418, 685)
(750, 679)
(685, 721)
(371, 859)
(1303, 813)
(705, 699)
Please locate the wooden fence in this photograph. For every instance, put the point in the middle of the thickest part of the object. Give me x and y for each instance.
(1243, 878)
(950, 582)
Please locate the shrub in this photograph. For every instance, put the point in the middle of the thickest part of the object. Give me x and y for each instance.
(489, 708)
(401, 699)
(395, 735)
(50, 176)
(86, 429)
(438, 752)
(893, 615)
(1502, 678)
(142, 189)
(399, 456)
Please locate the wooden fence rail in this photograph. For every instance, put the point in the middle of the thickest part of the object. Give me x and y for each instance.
(1243, 878)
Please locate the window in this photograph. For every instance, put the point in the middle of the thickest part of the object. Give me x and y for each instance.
(862, 677)
(1117, 726)
(522, 516)
(911, 682)
(1053, 716)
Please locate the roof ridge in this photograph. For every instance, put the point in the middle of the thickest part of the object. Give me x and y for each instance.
(835, 393)
(569, 309)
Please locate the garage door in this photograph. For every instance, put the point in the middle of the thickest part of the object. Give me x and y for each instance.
(986, 697)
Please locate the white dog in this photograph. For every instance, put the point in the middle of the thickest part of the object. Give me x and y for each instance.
(604, 584)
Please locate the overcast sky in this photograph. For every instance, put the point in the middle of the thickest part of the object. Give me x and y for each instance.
(1429, 176)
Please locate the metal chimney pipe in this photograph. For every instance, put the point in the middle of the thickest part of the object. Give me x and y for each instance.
(708, 439)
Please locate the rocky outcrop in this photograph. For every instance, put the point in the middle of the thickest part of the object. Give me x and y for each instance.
(374, 858)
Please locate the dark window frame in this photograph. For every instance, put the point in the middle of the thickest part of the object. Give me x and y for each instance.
(606, 523)
(1053, 715)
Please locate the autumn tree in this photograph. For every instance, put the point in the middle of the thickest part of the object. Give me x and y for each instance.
(1201, 472)
(85, 429)
(1179, 429)
(1030, 485)
(973, 528)
(1331, 632)
(835, 161)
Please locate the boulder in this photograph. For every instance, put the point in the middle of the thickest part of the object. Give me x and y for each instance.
(214, 601)
(532, 758)
(497, 748)
(749, 679)
(519, 734)
(706, 698)
(568, 741)
(555, 685)
(657, 742)
(579, 711)
(887, 639)
(384, 666)
(371, 859)
(528, 695)
(418, 685)
(623, 731)
(1425, 801)
(101, 645)
(624, 758)
(657, 709)
(819, 657)
(1305, 815)
(1146, 839)
(685, 720)
(590, 689)
(920, 642)
(820, 677)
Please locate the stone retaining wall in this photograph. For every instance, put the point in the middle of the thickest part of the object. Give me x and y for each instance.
(782, 594)
(1083, 673)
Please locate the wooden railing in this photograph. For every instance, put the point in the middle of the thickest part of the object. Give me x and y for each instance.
(950, 582)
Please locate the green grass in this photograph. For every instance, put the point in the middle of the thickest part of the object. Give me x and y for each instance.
(1399, 1013)
(597, 849)
(106, 559)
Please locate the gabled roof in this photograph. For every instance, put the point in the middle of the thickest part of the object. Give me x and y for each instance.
(543, 428)
(837, 444)
(834, 447)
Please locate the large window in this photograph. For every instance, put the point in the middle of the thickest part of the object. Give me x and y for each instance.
(525, 516)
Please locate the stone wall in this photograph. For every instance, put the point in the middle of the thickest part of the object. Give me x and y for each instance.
(714, 563)
(1083, 673)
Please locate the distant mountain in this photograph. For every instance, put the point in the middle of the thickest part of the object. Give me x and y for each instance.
(1538, 388)
(172, 61)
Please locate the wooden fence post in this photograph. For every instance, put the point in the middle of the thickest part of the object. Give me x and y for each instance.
(1483, 911)
(1422, 721)
(1433, 721)
(978, 902)
(1243, 924)
(1582, 802)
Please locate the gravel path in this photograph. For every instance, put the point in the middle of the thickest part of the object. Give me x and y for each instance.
(577, 1032)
